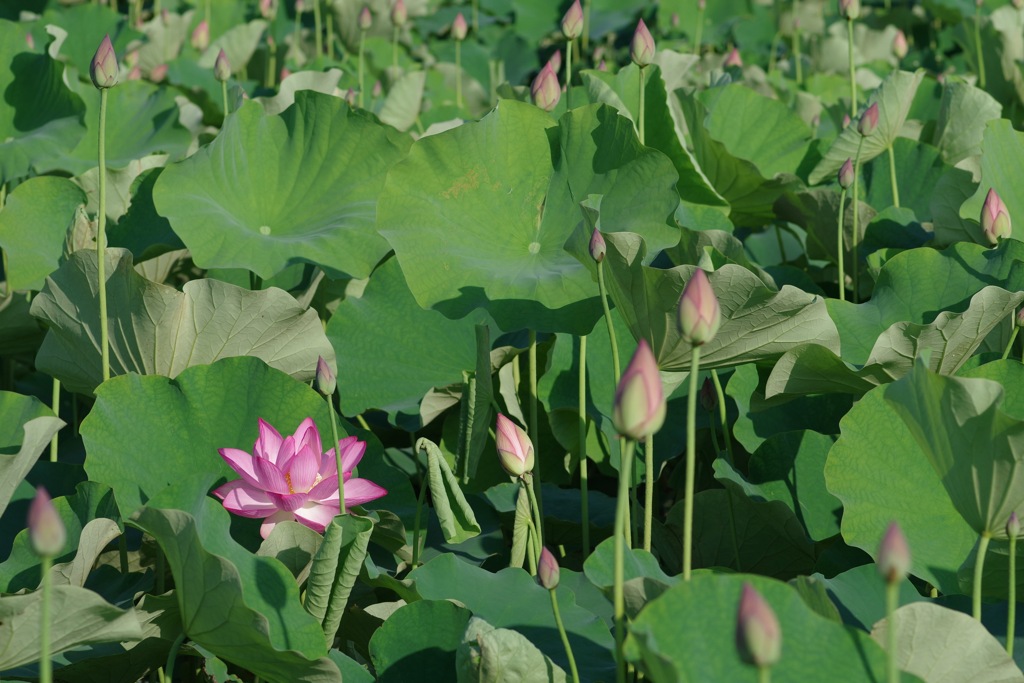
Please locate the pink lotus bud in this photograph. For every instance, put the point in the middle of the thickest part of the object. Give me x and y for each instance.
(868, 120)
(899, 45)
(846, 121)
(1017, 4)
(515, 450)
(222, 67)
(699, 315)
(846, 174)
(572, 22)
(1020, 318)
(459, 27)
(200, 39)
(158, 73)
(545, 89)
(708, 396)
(1013, 526)
(285, 73)
(674, 20)
(377, 89)
(849, 9)
(30, 41)
(702, 5)
(45, 527)
(598, 248)
(602, 65)
(300, 6)
(995, 218)
(365, 19)
(326, 381)
(733, 59)
(399, 14)
(134, 74)
(350, 97)
(893, 555)
(758, 636)
(556, 61)
(639, 409)
(641, 50)
(103, 69)
(268, 8)
(547, 569)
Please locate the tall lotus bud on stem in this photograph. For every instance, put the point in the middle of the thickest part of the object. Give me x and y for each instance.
(639, 409)
(547, 569)
(708, 396)
(45, 528)
(515, 450)
(399, 14)
(641, 50)
(1019, 319)
(995, 218)
(758, 635)
(103, 68)
(849, 9)
(572, 22)
(459, 27)
(733, 59)
(846, 174)
(545, 89)
(1012, 532)
(868, 120)
(365, 19)
(1013, 526)
(326, 381)
(899, 45)
(699, 314)
(894, 555)
(268, 8)
(222, 67)
(598, 248)
(200, 39)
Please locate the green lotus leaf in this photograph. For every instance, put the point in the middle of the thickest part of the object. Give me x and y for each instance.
(894, 98)
(41, 117)
(648, 298)
(963, 118)
(952, 190)
(85, 26)
(158, 330)
(502, 196)
(859, 593)
(419, 642)
(492, 655)
(26, 427)
(918, 168)
(1001, 147)
(271, 191)
(239, 43)
(241, 607)
(817, 212)
(700, 616)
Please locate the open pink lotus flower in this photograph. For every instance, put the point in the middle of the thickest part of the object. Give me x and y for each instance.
(292, 479)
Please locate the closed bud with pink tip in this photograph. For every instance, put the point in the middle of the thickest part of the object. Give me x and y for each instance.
(894, 555)
(868, 120)
(699, 315)
(545, 89)
(548, 570)
(459, 27)
(572, 21)
(641, 50)
(758, 635)
(104, 69)
(995, 218)
(639, 410)
(515, 449)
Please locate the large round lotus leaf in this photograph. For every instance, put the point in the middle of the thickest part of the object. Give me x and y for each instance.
(86, 24)
(1001, 148)
(40, 116)
(271, 191)
(418, 642)
(688, 634)
(479, 215)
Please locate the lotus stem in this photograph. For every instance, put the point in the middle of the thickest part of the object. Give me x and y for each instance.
(458, 74)
(362, 85)
(640, 109)
(764, 674)
(317, 29)
(172, 656)
(101, 238)
(618, 593)
(298, 31)
(568, 75)
(584, 483)
(699, 32)
(722, 415)
(892, 178)
(979, 566)
(772, 50)
(977, 46)
(840, 250)
(855, 243)
(691, 463)
(608, 321)
(122, 552)
(782, 246)
(798, 57)
(648, 491)
(56, 411)
(476, 16)
(416, 519)
(1011, 617)
(337, 453)
(853, 77)
(565, 638)
(534, 434)
(224, 97)
(892, 601)
(45, 655)
(1013, 338)
(270, 77)
(394, 46)
(538, 520)
(585, 38)
(330, 35)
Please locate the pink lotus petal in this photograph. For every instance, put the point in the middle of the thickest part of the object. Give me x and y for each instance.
(241, 462)
(317, 516)
(245, 500)
(308, 435)
(359, 491)
(289, 502)
(323, 491)
(271, 479)
(273, 520)
(285, 454)
(268, 443)
(329, 465)
(303, 468)
(352, 450)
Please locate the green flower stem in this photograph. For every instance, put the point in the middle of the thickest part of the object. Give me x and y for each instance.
(532, 546)
(977, 47)
(122, 552)
(584, 483)
(416, 519)
(56, 411)
(648, 490)
(640, 109)
(840, 249)
(853, 77)
(699, 32)
(224, 97)
(1013, 338)
(772, 51)
(568, 75)
(691, 460)
(458, 74)
(892, 601)
(565, 638)
(101, 238)
(618, 593)
(255, 282)
(979, 566)
(764, 674)
(45, 656)
(798, 58)
(362, 85)
(534, 434)
(317, 28)
(585, 38)
(394, 47)
(172, 655)
(330, 35)
(855, 242)
(609, 323)
(1011, 617)
(722, 415)
(714, 438)
(538, 520)
(271, 76)
(297, 34)
(207, 3)
(337, 453)
(892, 178)
(476, 16)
